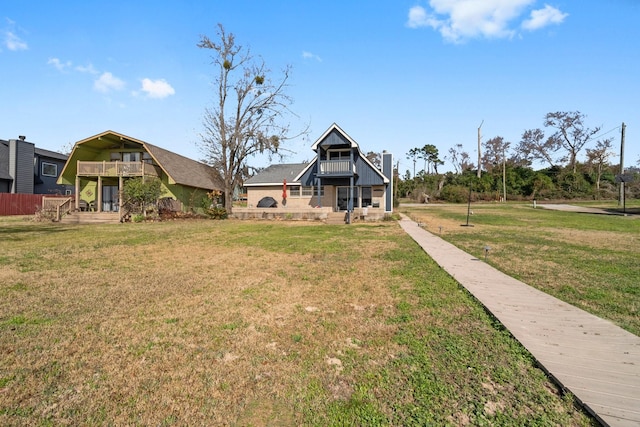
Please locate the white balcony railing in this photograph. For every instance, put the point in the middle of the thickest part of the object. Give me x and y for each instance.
(337, 167)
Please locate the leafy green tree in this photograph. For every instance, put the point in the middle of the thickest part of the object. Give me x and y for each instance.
(139, 193)
(414, 155)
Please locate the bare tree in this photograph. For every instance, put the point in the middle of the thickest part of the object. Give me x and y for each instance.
(460, 159)
(571, 134)
(534, 147)
(598, 158)
(494, 152)
(375, 159)
(249, 115)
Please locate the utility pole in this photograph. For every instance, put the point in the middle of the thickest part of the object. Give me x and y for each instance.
(504, 176)
(621, 198)
(479, 155)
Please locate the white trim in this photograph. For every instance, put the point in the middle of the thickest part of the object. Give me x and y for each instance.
(43, 164)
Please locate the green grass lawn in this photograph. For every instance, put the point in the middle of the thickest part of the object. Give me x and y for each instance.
(590, 261)
(251, 323)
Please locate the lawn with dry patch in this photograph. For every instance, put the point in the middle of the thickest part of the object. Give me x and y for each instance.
(250, 323)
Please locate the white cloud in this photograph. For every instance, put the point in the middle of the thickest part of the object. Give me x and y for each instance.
(59, 65)
(542, 17)
(460, 20)
(13, 42)
(157, 88)
(107, 82)
(309, 55)
(418, 17)
(86, 69)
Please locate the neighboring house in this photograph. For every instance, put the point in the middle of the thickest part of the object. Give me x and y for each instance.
(99, 165)
(339, 177)
(26, 169)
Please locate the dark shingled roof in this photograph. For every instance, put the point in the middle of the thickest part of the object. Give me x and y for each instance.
(51, 154)
(183, 170)
(275, 174)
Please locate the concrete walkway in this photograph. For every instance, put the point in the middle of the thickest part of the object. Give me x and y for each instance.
(592, 358)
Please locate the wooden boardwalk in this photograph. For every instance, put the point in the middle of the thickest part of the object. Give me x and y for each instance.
(592, 358)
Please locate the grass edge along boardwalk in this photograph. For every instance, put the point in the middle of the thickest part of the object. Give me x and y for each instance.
(593, 358)
(251, 323)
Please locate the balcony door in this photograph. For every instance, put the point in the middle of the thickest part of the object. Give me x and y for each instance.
(110, 198)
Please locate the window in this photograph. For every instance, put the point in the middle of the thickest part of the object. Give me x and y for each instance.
(130, 157)
(366, 197)
(339, 155)
(312, 191)
(294, 191)
(49, 169)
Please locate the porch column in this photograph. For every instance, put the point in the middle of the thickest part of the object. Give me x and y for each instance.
(99, 195)
(319, 196)
(77, 192)
(120, 191)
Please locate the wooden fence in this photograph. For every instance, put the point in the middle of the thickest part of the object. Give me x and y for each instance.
(19, 204)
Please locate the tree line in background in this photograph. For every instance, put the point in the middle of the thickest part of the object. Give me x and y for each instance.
(506, 169)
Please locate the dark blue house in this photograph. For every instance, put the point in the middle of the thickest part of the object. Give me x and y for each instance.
(340, 177)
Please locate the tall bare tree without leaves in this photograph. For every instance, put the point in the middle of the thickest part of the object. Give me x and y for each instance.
(249, 112)
(571, 134)
(460, 159)
(494, 152)
(534, 147)
(598, 158)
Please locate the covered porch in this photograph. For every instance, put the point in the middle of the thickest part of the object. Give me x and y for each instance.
(108, 179)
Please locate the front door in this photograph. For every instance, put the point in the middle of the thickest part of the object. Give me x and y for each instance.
(342, 198)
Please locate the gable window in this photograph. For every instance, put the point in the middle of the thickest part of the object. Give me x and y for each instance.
(49, 169)
(339, 155)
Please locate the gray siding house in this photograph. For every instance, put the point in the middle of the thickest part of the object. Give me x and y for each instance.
(26, 169)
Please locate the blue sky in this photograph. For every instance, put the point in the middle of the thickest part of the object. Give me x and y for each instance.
(393, 74)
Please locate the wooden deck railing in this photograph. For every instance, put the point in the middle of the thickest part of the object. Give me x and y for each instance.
(117, 169)
(58, 205)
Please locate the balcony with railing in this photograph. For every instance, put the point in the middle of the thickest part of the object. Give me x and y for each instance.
(117, 169)
(337, 168)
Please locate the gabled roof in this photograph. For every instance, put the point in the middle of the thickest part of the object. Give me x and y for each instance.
(333, 136)
(275, 174)
(180, 170)
(338, 137)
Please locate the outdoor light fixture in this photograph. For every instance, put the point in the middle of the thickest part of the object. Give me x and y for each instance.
(487, 248)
